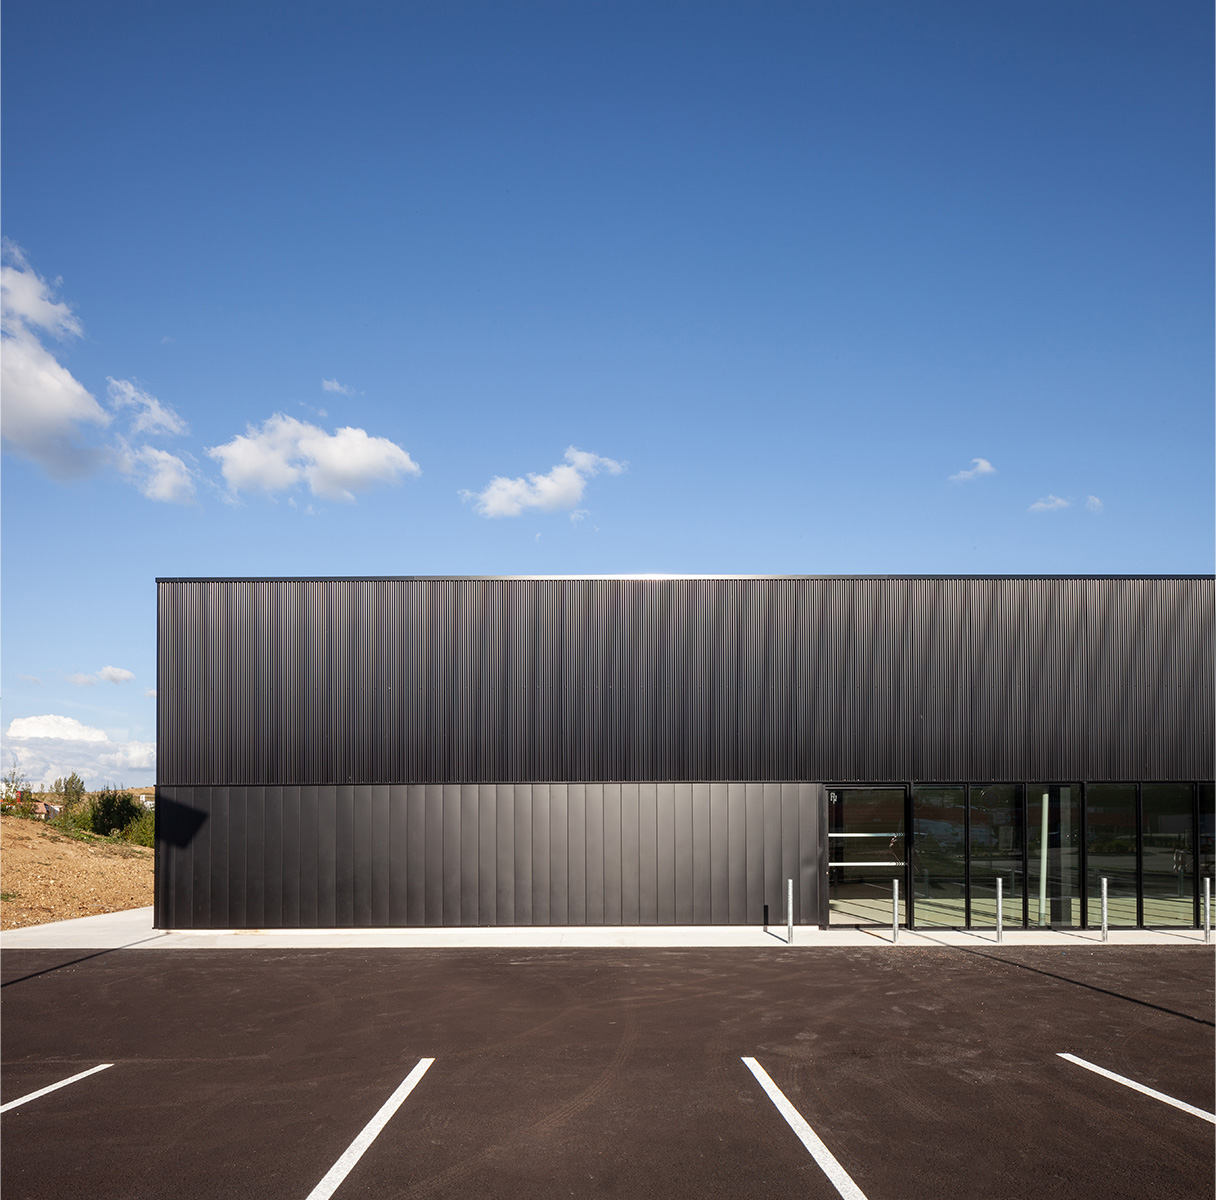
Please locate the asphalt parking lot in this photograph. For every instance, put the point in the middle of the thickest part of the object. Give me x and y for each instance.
(924, 1072)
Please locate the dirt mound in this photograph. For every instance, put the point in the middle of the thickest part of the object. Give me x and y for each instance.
(45, 876)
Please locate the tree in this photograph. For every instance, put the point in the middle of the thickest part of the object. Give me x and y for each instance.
(14, 785)
(71, 789)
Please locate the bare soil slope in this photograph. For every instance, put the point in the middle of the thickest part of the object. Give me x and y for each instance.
(45, 876)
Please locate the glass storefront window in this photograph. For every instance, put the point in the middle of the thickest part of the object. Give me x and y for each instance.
(866, 853)
(1168, 847)
(1207, 842)
(1110, 851)
(1052, 837)
(939, 856)
(996, 852)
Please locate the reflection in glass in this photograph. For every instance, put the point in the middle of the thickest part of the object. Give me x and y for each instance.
(1207, 843)
(866, 847)
(1169, 854)
(1110, 851)
(939, 856)
(1052, 834)
(996, 851)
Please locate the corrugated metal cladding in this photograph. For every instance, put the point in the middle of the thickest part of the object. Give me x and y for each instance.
(487, 854)
(391, 681)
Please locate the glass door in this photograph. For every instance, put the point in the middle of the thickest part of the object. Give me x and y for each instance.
(867, 852)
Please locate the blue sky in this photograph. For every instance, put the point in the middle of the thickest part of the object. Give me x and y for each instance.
(599, 287)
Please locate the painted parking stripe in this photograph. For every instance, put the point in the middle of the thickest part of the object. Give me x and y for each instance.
(371, 1130)
(841, 1179)
(54, 1087)
(1139, 1087)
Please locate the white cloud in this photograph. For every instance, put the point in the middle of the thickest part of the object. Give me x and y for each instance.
(31, 679)
(80, 679)
(285, 452)
(332, 385)
(1093, 504)
(151, 416)
(158, 474)
(150, 692)
(1049, 503)
(560, 488)
(50, 746)
(116, 674)
(52, 726)
(979, 466)
(45, 409)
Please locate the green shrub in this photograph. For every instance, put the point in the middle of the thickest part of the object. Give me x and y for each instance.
(140, 831)
(71, 789)
(113, 811)
(75, 817)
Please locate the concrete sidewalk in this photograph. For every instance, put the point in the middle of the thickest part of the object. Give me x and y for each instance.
(133, 930)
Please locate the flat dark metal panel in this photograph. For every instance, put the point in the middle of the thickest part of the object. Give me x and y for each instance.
(542, 909)
(613, 904)
(238, 853)
(198, 861)
(684, 844)
(451, 866)
(665, 853)
(648, 862)
(382, 852)
(361, 856)
(290, 811)
(719, 853)
(868, 679)
(502, 798)
(310, 859)
(559, 855)
(523, 852)
(436, 852)
(630, 856)
(702, 862)
(469, 857)
(790, 828)
(774, 882)
(576, 853)
(345, 868)
(272, 858)
(407, 839)
(754, 852)
(327, 856)
(736, 858)
(487, 854)
(595, 853)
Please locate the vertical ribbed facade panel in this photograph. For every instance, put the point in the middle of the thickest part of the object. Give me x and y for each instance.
(491, 680)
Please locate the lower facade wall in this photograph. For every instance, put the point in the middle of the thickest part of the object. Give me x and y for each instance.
(371, 855)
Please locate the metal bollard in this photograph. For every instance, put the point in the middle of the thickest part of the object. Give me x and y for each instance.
(1104, 933)
(894, 911)
(1000, 912)
(789, 912)
(1207, 908)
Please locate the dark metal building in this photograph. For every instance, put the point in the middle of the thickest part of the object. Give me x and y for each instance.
(445, 751)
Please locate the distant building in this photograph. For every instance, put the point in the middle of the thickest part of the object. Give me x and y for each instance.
(519, 751)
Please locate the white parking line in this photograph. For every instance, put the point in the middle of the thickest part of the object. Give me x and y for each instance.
(841, 1179)
(54, 1087)
(1139, 1087)
(355, 1150)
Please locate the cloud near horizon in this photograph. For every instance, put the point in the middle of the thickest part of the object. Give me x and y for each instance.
(559, 488)
(49, 746)
(44, 410)
(979, 467)
(1049, 503)
(284, 452)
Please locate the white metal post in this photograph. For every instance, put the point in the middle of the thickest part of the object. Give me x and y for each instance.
(789, 912)
(1000, 912)
(1104, 934)
(1207, 908)
(894, 910)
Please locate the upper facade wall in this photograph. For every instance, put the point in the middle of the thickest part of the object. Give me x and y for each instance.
(826, 679)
